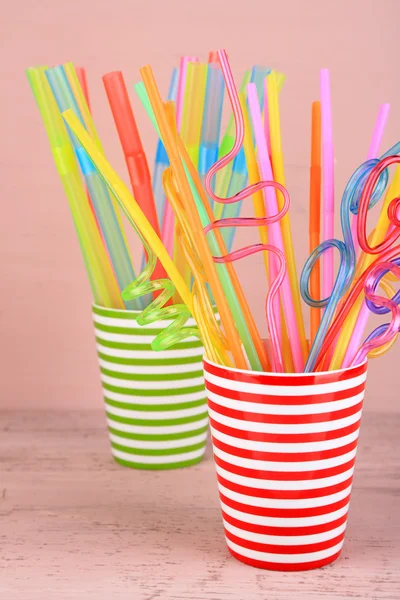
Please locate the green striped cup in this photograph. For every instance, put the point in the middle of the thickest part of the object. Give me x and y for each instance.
(156, 405)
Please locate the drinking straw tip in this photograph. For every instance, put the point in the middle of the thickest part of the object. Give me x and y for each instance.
(213, 56)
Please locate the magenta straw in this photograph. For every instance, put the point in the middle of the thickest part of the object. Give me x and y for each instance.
(328, 232)
(373, 152)
(266, 118)
(275, 231)
(168, 224)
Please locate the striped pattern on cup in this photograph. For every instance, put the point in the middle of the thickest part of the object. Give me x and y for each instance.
(155, 401)
(284, 449)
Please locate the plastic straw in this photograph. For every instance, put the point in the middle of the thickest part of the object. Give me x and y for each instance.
(161, 160)
(279, 176)
(212, 115)
(227, 321)
(81, 74)
(223, 177)
(275, 234)
(168, 224)
(101, 276)
(129, 205)
(193, 109)
(102, 203)
(315, 214)
(132, 147)
(328, 181)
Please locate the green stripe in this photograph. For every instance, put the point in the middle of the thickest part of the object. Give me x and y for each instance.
(160, 392)
(158, 467)
(171, 376)
(157, 438)
(149, 362)
(156, 422)
(124, 346)
(156, 407)
(116, 314)
(159, 452)
(129, 330)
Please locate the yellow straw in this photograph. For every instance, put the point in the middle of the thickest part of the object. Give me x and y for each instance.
(129, 206)
(279, 176)
(364, 262)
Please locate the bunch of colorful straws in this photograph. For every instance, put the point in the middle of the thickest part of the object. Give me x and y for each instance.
(186, 215)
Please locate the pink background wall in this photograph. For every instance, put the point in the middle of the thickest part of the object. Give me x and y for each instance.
(47, 348)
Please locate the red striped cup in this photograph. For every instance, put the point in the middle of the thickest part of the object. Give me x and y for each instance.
(284, 449)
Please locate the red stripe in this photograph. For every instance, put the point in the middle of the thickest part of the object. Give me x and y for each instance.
(246, 416)
(282, 438)
(260, 564)
(277, 549)
(285, 494)
(285, 456)
(284, 476)
(284, 400)
(285, 531)
(282, 379)
(284, 513)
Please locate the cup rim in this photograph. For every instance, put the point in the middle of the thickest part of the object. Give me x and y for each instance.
(272, 373)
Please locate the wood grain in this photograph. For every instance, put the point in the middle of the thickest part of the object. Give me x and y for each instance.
(73, 524)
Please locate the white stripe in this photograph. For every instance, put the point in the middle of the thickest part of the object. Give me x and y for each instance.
(285, 390)
(159, 445)
(153, 384)
(284, 503)
(285, 429)
(276, 447)
(151, 400)
(127, 338)
(285, 409)
(287, 540)
(131, 323)
(158, 460)
(156, 429)
(285, 521)
(271, 484)
(151, 369)
(284, 558)
(156, 415)
(299, 466)
(150, 354)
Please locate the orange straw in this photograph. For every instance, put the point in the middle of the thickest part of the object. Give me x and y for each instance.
(81, 73)
(169, 141)
(315, 214)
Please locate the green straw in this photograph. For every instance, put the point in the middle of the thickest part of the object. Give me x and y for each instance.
(101, 276)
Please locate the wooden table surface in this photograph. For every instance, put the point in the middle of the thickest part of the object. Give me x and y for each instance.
(73, 524)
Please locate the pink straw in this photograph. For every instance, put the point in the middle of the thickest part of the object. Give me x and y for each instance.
(361, 323)
(373, 152)
(274, 231)
(168, 225)
(328, 182)
(266, 118)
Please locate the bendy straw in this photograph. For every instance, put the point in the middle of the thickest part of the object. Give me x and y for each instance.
(373, 152)
(315, 213)
(102, 203)
(212, 115)
(101, 276)
(227, 320)
(275, 234)
(239, 307)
